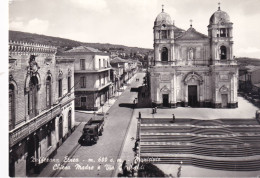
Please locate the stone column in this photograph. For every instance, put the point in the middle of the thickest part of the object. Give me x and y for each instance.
(174, 89)
(201, 92)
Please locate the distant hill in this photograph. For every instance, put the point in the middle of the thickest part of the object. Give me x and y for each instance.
(245, 61)
(65, 44)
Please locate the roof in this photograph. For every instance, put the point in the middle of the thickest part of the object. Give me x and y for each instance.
(252, 68)
(163, 18)
(191, 34)
(118, 60)
(83, 49)
(218, 17)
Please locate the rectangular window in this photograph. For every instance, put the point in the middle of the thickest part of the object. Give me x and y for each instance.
(82, 82)
(60, 87)
(69, 84)
(49, 138)
(83, 101)
(47, 94)
(164, 34)
(99, 80)
(82, 64)
(222, 32)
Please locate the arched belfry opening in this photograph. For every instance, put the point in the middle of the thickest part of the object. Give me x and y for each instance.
(223, 52)
(164, 55)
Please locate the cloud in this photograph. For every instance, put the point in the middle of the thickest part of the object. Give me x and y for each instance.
(90, 5)
(35, 26)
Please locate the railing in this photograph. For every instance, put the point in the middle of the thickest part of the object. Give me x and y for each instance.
(194, 62)
(30, 126)
(225, 62)
(182, 63)
(93, 70)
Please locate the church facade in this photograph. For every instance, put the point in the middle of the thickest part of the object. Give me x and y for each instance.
(193, 69)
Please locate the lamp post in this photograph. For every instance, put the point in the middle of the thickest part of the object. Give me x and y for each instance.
(179, 170)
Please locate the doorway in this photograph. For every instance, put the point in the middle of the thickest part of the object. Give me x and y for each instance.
(224, 100)
(192, 96)
(165, 98)
(32, 155)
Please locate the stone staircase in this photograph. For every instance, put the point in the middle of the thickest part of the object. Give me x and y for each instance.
(223, 144)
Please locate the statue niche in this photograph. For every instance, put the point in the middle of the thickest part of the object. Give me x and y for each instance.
(191, 54)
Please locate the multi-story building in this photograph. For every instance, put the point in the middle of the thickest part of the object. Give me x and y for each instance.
(41, 105)
(92, 77)
(123, 69)
(193, 69)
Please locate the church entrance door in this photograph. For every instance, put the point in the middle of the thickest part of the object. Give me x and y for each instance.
(165, 98)
(192, 95)
(224, 98)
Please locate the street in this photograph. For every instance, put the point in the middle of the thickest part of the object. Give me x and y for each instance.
(97, 160)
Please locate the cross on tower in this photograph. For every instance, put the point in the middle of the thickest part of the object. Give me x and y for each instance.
(190, 22)
(162, 8)
(219, 6)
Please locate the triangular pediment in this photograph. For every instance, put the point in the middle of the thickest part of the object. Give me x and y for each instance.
(191, 34)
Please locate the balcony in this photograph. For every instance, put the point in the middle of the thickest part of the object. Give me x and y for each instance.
(97, 88)
(182, 63)
(32, 125)
(96, 70)
(225, 62)
(194, 63)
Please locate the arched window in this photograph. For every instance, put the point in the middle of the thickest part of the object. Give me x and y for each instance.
(223, 52)
(48, 92)
(69, 120)
(32, 96)
(69, 84)
(164, 56)
(60, 128)
(11, 106)
(60, 87)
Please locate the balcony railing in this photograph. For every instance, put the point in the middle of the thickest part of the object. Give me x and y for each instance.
(194, 62)
(32, 125)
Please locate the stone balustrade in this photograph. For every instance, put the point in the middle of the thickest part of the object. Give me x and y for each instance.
(32, 125)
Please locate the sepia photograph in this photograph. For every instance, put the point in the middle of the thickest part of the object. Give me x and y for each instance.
(132, 88)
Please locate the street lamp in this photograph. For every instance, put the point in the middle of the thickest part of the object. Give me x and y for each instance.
(179, 170)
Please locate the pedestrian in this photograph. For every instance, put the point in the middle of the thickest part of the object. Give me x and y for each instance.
(173, 118)
(129, 170)
(124, 168)
(136, 160)
(139, 115)
(155, 109)
(136, 144)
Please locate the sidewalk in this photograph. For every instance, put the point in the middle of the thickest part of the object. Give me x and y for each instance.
(66, 149)
(127, 152)
(245, 110)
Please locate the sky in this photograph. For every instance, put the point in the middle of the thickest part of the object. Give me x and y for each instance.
(130, 22)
